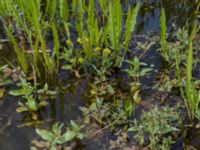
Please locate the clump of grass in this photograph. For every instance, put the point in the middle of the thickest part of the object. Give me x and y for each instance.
(27, 16)
(187, 87)
(37, 24)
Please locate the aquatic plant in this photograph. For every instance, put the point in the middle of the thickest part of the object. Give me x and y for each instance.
(137, 70)
(5, 73)
(55, 136)
(104, 114)
(189, 93)
(27, 92)
(115, 23)
(159, 125)
(109, 32)
(130, 24)
(27, 17)
(163, 36)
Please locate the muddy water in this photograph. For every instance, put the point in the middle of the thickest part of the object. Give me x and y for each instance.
(65, 106)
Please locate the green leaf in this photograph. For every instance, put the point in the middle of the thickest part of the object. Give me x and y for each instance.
(132, 129)
(57, 128)
(45, 134)
(144, 71)
(21, 109)
(16, 92)
(32, 104)
(129, 108)
(110, 89)
(74, 125)
(68, 136)
(163, 26)
(64, 10)
(130, 23)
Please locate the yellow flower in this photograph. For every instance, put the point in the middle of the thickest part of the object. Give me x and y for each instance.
(97, 49)
(69, 42)
(80, 60)
(79, 40)
(106, 51)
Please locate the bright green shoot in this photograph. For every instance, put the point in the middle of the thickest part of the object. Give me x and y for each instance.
(115, 23)
(190, 94)
(55, 136)
(130, 24)
(26, 91)
(163, 38)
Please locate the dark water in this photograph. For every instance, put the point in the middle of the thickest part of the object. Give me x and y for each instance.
(65, 106)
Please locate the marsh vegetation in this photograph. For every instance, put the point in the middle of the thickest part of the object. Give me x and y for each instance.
(99, 74)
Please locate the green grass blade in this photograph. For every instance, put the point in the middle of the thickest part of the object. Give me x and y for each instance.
(64, 10)
(91, 21)
(20, 53)
(56, 51)
(163, 26)
(111, 25)
(130, 23)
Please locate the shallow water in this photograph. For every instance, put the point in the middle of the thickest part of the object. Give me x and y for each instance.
(65, 106)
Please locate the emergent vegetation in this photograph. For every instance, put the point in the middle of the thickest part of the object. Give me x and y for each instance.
(98, 62)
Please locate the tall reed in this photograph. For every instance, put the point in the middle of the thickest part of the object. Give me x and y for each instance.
(163, 36)
(37, 24)
(27, 16)
(188, 91)
(130, 24)
(115, 23)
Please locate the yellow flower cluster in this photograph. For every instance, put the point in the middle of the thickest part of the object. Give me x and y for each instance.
(106, 51)
(69, 42)
(97, 49)
(80, 60)
(79, 40)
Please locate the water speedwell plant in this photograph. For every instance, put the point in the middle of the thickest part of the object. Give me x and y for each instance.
(55, 136)
(159, 126)
(27, 92)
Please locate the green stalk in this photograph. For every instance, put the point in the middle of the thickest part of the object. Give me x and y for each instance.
(189, 84)
(91, 22)
(20, 53)
(163, 26)
(130, 24)
(64, 10)
(115, 23)
(79, 23)
(56, 52)
(178, 73)
(190, 98)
